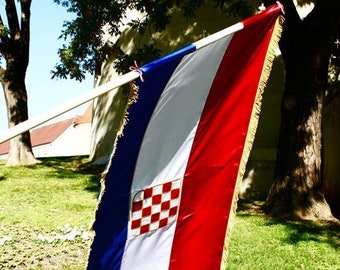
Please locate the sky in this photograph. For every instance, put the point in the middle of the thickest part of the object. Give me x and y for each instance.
(43, 92)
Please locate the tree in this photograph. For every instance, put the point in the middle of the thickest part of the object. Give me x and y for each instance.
(306, 51)
(86, 51)
(14, 49)
(305, 45)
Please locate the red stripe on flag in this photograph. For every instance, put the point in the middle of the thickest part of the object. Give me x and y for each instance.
(214, 162)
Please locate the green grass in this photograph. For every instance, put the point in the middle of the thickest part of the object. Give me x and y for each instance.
(41, 201)
(258, 242)
(40, 205)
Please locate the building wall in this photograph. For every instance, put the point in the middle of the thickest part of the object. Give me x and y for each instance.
(74, 141)
(4, 156)
(331, 154)
(261, 163)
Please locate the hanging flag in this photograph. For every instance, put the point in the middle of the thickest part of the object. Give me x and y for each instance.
(171, 185)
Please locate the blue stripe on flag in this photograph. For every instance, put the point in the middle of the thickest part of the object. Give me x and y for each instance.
(111, 229)
(168, 58)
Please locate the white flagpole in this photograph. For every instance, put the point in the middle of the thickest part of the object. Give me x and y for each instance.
(67, 106)
(218, 35)
(100, 90)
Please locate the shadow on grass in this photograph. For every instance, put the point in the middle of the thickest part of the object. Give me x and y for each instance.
(297, 231)
(77, 164)
(311, 231)
(249, 207)
(71, 167)
(93, 184)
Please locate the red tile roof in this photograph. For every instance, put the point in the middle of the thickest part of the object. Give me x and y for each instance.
(47, 134)
(43, 135)
(4, 148)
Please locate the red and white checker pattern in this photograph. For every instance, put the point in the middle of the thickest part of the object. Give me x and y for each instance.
(155, 207)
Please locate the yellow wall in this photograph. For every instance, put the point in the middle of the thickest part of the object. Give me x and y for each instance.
(331, 154)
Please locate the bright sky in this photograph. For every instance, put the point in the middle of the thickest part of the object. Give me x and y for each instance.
(43, 92)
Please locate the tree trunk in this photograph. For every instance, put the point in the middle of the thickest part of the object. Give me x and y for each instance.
(297, 192)
(20, 148)
(15, 50)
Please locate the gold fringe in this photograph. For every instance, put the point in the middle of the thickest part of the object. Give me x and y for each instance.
(252, 130)
(133, 97)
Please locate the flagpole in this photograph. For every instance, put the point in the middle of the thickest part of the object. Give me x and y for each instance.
(102, 89)
(67, 106)
(218, 35)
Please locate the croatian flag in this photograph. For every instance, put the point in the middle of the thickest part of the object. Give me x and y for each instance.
(171, 183)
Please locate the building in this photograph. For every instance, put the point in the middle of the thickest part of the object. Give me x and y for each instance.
(70, 137)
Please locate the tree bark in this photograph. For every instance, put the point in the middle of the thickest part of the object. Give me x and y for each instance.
(20, 149)
(296, 192)
(15, 50)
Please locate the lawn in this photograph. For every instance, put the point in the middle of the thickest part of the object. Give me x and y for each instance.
(261, 243)
(46, 211)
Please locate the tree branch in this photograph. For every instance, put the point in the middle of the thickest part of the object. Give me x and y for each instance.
(2, 74)
(2, 31)
(25, 17)
(4, 39)
(331, 19)
(25, 27)
(12, 17)
(292, 31)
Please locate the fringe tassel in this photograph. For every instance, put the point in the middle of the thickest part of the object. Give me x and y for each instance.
(133, 97)
(252, 131)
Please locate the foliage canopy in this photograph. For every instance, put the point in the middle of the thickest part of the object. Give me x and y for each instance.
(85, 49)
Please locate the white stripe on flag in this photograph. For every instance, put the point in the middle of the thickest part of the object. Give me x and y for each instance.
(167, 144)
